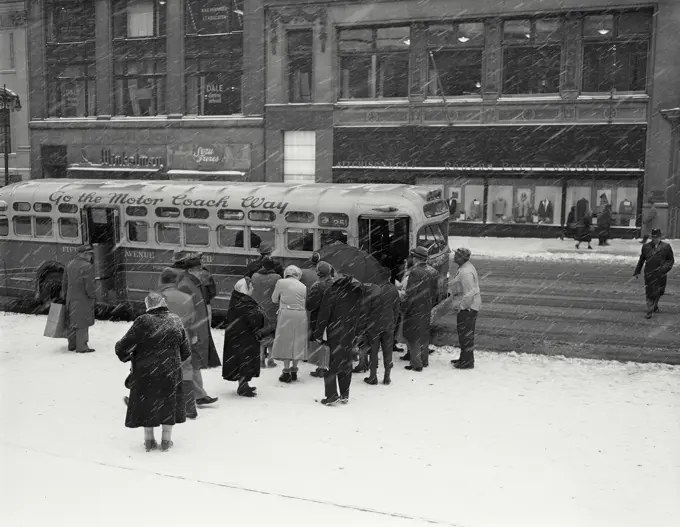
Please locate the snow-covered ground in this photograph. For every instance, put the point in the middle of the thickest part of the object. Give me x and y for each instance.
(620, 251)
(520, 441)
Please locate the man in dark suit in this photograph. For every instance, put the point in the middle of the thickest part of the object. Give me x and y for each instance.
(421, 292)
(657, 259)
(77, 290)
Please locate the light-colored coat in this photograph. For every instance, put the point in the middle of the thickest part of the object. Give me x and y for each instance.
(78, 290)
(182, 305)
(201, 330)
(290, 342)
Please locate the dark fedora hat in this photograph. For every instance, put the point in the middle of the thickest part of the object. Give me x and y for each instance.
(656, 232)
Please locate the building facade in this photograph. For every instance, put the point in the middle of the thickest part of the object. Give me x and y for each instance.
(518, 110)
(139, 88)
(14, 76)
(521, 111)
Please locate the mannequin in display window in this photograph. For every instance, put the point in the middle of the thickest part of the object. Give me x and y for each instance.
(499, 206)
(453, 205)
(604, 201)
(523, 210)
(626, 211)
(475, 210)
(545, 211)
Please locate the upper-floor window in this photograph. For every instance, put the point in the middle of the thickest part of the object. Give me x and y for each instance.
(300, 65)
(7, 47)
(139, 57)
(616, 51)
(532, 50)
(455, 58)
(374, 62)
(213, 56)
(69, 21)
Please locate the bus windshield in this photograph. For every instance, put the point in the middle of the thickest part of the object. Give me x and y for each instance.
(434, 237)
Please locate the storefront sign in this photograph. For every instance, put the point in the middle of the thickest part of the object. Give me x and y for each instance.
(151, 157)
(522, 147)
(209, 156)
(208, 16)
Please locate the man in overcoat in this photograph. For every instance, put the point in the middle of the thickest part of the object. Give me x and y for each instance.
(421, 291)
(182, 305)
(200, 350)
(657, 259)
(315, 294)
(381, 320)
(78, 291)
(340, 319)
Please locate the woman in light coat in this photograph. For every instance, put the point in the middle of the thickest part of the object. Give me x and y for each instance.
(290, 342)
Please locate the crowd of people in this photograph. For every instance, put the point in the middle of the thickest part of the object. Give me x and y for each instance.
(315, 314)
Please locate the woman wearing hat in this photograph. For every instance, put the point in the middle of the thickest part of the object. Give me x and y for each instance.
(241, 356)
(290, 342)
(157, 344)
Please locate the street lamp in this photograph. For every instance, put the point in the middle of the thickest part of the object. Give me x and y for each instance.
(9, 102)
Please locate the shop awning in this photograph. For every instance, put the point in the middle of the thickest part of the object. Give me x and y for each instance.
(9, 100)
(463, 168)
(205, 175)
(94, 168)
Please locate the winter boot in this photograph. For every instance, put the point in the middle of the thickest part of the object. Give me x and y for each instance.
(293, 376)
(150, 444)
(166, 445)
(330, 400)
(286, 377)
(372, 380)
(318, 373)
(386, 378)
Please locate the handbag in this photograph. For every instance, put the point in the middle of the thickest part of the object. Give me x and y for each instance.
(56, 322)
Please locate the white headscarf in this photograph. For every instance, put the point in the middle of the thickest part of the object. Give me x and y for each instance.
(293, 271)
(243, 286)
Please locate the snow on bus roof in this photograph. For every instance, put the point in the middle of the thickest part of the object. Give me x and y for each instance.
(293, 192)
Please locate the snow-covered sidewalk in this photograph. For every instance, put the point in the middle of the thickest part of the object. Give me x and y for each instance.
(621, 251)
(519, 441)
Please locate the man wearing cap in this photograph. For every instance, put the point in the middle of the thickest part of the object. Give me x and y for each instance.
(265, 251)
(419, 298)
(309, 276)
(201, 348)
(467, 301)
(77, 289)
(657, 259)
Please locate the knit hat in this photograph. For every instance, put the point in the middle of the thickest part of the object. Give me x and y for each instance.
(268, 263)
(169, 276)
(324, 269)
(463, 253)
(292, 270)
(315, 258)
(154, 301)
(265, 248)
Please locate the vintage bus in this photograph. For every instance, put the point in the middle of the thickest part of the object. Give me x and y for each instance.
(134, 227)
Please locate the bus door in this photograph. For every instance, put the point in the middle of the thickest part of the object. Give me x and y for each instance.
(386, 239)
(101, 229)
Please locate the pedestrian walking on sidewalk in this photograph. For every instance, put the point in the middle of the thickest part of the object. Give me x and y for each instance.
(467, 301)
(156, 344)
(604, 223)
(584, 231)
(657, 259)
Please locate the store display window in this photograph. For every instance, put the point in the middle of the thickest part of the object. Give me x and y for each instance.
(580, 198)
(501, 207)
(624, 207)
(473, 200)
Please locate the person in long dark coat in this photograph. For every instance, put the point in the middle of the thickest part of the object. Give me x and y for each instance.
(315, 293)
(570, 228)
(604, 223)
(309, 276)
(265, 251)
(420, 296)
(156, 344)
(584, 231)
(201, 354)
(381, 321)
(77, 289)
(657, 259)
(340, 319)
(245, 321)
(264, 282)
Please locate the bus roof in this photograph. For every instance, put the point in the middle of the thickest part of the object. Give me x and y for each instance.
(330, 197)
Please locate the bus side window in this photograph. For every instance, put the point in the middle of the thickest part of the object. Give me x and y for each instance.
(138, 231)
(329, 236)
(68, 228)
(300, 239)
(231, 237)
(196, 234)
(4, 226)
(259, 235)
(23, 226)
(168, 233)
(43, 227)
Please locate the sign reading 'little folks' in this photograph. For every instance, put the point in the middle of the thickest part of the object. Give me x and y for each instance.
(210, 156)
(177, 200)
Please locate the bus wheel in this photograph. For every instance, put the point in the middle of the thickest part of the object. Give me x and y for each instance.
(49, 290)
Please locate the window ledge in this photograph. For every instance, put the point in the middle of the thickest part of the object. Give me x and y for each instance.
(451, 100)
(534, 97)
(372, 102)
(617, 97)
